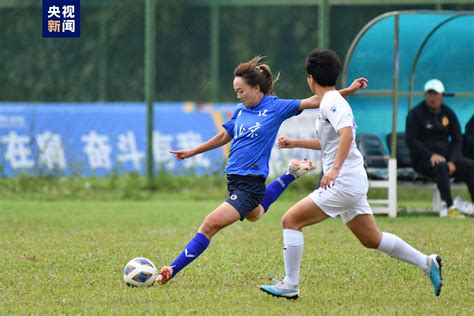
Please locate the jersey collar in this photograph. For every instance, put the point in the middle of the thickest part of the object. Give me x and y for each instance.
(262, 101)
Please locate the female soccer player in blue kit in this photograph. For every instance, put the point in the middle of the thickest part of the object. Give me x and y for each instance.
(343, 187)
(252, 129)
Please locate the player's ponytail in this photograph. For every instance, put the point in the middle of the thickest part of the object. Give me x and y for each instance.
(255, 73)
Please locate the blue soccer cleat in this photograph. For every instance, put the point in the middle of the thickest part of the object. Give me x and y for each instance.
(434, 272)
(281, 289)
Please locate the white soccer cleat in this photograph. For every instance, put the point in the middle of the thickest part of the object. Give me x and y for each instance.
(282, 289)
(299, 168)
(165, 275)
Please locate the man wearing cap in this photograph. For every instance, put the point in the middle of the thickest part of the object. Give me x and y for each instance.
(433, 135)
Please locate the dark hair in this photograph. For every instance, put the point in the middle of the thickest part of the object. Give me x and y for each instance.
(324, 66)
(254, 73)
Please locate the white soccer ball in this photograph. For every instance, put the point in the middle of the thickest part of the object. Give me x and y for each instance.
(140, 272)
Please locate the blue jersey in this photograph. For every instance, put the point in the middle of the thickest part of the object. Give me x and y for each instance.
(254, 132)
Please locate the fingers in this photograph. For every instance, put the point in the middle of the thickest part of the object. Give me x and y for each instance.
(436, 161)
(327, 182)
(282, 142)
(363, 82)
(323, 182)
(179, 154)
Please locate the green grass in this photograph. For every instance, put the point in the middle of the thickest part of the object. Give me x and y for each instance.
(67, 257)
(134, 187)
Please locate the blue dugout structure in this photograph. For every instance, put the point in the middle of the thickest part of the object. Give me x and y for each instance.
(398, 52)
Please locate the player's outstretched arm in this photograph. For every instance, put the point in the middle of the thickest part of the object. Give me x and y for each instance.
(288, 142)
(310, 103)
(219, 140)
(359, 83)
(314, 101)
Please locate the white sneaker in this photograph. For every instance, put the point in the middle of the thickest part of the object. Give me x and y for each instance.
(299, 168)
(443, 211)
(463, 206)
(468, 209)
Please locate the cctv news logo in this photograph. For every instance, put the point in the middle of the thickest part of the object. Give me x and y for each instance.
(61, 18)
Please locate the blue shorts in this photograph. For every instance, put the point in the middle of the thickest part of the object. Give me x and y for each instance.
(245, 192)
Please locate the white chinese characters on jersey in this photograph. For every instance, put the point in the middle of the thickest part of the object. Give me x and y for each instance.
(253, 130)
(18, 152)
(129, 152)
(192, 140)
(51, 152)
(161, 147)
(97, 150)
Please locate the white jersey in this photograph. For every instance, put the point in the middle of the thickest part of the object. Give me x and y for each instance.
(335, 113)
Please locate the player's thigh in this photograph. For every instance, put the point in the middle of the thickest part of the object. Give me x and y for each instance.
(365, 229)
(303, 213)
(224, 215)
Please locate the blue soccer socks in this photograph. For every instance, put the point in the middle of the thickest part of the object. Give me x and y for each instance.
(275, 189)
(193, 249)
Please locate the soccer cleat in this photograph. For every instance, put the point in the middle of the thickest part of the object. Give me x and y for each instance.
(434, 272)
(165, 275)
(281, 289)
(299, 168)
(454, 213)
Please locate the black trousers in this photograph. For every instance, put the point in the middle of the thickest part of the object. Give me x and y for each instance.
(440, 174)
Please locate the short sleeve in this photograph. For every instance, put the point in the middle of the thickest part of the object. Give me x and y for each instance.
(339, 115)
(229, 125)
(287, 108)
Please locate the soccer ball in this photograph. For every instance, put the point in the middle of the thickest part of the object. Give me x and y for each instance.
(139, 272)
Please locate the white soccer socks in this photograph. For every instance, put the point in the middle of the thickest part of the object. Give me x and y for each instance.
(395, 247)
(293, 241)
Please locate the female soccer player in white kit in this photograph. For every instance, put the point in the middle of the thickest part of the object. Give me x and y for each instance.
(344, 185)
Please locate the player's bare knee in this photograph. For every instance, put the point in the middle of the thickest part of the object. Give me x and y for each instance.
(287, 222)
(209, 227)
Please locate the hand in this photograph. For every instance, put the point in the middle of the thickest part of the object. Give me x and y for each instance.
(329, 178)
(286, 142)
(451, 168)
(359, 83)
(436, 159)
(182, 154)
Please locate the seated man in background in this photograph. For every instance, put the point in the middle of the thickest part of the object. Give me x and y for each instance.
(433, 135)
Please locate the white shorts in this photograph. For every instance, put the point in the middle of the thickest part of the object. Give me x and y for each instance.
(334, 202)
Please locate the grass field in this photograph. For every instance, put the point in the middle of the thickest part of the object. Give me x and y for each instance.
(68, 256)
